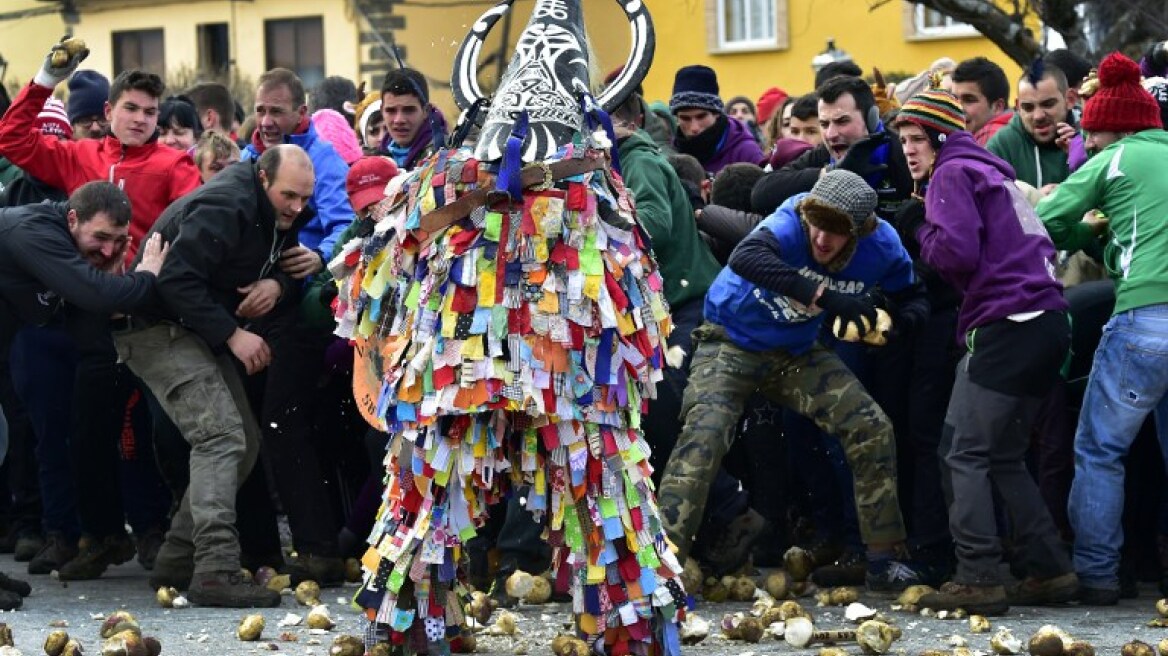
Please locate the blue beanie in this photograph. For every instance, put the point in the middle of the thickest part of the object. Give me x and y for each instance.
(696, 87)
(88, 93)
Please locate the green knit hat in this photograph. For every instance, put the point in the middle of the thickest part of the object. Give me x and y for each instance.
(936, 108)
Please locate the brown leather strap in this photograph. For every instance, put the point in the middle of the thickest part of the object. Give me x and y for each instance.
(535, 175)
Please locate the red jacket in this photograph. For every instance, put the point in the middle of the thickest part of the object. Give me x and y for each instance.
(992, 126)
(152, 175)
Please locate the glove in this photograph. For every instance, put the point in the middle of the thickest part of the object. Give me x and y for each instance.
(856, 310)
(62, 60)
(909, 218)
(858, 159)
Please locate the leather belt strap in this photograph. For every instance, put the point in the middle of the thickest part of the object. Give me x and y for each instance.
(535, 176)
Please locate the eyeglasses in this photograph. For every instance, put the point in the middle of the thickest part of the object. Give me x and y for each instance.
(87, 122)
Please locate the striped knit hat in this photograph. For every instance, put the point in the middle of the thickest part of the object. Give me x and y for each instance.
(935, 108)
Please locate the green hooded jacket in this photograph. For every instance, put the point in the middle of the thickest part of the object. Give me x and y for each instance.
(1037, 164)
(663, 208)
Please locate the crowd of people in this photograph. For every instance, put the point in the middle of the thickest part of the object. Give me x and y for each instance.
(923, 324)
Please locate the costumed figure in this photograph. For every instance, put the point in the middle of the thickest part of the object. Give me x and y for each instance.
(510, 326)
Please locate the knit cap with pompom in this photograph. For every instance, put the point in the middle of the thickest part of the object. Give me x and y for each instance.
(1120, 104)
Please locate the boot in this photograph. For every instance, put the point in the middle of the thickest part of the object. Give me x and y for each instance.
(173, 567)
(978, 599)
(730, 551)
(9, 584)
(96, 555)
(1033, 591)
(328, 572)
(850, 568)
(230, 590)
(57, 551)
(27, 546)
(147, 545)
(10, 600)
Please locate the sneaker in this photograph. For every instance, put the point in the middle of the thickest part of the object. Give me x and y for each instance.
(95, 556)
(730, 551)
(326, 571)
(56, 552)
(891, 576)
(173, 567)
(9, 584)
(27, 546)
(1089, 596)
(976, 599)
(147, 544)
(849, 569)
(1044, 592)
(230, 590)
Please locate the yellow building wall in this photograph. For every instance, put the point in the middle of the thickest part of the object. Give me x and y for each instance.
(179, 24)
(433, 33)
(873, 38)
(25, 41)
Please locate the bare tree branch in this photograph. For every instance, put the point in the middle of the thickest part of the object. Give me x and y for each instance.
(1007, 32)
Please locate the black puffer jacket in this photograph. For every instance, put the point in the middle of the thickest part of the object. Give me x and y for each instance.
(222, 236)
(892, 189)
(41, 269)
(722, 228)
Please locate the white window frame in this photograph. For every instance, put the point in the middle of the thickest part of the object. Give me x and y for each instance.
(772, 41)
(951, 29)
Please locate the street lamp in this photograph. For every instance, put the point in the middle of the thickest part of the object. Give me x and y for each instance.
(830, 55)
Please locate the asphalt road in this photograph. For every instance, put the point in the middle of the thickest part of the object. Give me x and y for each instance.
(192, 631)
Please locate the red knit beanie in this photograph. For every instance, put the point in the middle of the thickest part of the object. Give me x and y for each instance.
(1121, 104)
(768, 102)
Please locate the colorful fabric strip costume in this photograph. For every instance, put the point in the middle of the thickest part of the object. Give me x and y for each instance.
(510, 327)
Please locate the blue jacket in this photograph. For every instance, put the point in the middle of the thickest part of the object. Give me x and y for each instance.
(333, 211)
(757, 319)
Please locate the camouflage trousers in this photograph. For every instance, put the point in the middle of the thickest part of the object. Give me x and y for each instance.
(815, 384)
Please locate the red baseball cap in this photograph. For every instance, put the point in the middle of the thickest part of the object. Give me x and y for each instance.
(366, 181)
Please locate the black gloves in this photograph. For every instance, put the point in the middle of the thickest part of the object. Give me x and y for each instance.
(858, 159)
(909, 218)
(850, 309)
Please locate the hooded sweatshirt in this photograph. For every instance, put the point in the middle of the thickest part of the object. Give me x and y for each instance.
(1126, 182)
(687, 266)
(1037, 164)
(983, 237)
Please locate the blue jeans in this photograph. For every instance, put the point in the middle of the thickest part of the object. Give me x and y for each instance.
(1129, 379)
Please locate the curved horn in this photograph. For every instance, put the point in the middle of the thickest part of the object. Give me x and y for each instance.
(464, 82)
(644, 42)
(546, 74)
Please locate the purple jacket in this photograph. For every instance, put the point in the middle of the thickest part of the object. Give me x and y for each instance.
(983, 237)
(738, 145)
